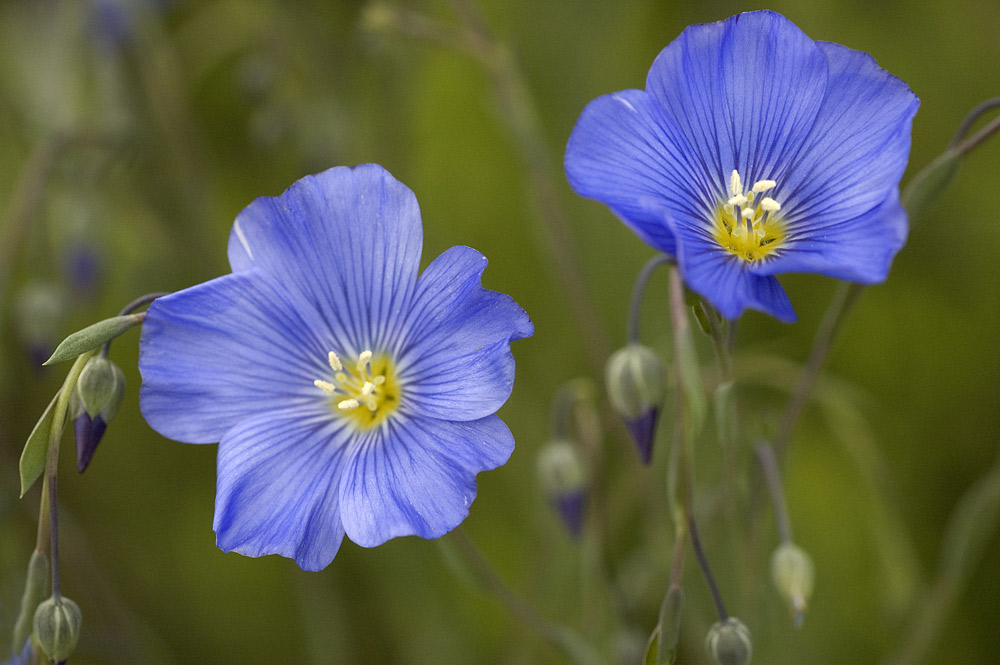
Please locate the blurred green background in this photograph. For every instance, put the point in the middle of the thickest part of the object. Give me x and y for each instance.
(132, 133)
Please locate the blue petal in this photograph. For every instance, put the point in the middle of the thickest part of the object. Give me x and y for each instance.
(744, 92)
(418, 476)
(626, 154)
(859, 250)
(724, 280)
(278, 487)
(217, 353)
(456, 363)
(348, 240)
(851, 164)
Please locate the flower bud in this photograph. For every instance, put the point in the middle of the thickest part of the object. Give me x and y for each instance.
(98, 396)
(728, 643)
(563, 478)
(793, 574)
(57, 627)
(636, 383)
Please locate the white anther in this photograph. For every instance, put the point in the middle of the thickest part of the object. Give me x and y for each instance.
(325, 386)
(770, 205)
(764, 185)
(747, 213)
(335, 363)
(738, 200)
(735, 185)
(348, 404)
(367, 389)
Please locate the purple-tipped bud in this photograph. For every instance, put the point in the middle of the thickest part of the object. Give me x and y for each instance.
(89, 432)
(98, 396)
(636, 383)
(563, 478)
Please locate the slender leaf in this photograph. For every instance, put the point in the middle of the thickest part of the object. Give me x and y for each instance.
(35, 450)
(93, 336)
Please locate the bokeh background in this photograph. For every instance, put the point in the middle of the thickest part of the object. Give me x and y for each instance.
(133, 131)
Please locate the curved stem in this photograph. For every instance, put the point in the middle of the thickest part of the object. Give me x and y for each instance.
(641, 282)
(970, 119)
(128, 309)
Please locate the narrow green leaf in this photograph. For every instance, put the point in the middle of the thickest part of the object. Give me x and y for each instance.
(93, 336)
(35, 450)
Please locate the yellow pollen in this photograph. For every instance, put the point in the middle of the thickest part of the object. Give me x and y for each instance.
(746, 225)
(371, 383)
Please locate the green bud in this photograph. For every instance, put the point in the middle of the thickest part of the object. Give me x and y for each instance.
(728, 643)
(637, 384)
(793, 574)
(563, 477)
(34, 593)
(101, 388)
(57, 627)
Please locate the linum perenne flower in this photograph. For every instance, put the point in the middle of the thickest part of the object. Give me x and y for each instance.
(754, 151)
(348, 395)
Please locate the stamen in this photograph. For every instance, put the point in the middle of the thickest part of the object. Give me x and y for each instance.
(364, 358)
(379, 380)
(348, 404)
(325, 386)
(335, 363)
(747, 213)
(763, 185)
(735, 185)
(738, 200)
(367, 389)
(770, 204)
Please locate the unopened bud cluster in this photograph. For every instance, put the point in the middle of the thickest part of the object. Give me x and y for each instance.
(636, 383)
(728, 643)
(563, 477)
(98, 396)
(793, 574)
(57, 627)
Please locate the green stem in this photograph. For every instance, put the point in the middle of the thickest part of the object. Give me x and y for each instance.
(52, 463)
(769, 464)
(683, 348)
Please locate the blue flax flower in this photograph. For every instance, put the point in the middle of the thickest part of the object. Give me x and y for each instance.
(754, 151)
(347, 393)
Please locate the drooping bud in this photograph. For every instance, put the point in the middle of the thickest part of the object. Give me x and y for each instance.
(563, 478)
(793, 574)
(636, 383)
(57, 627)
(728, 643)
(98, 396)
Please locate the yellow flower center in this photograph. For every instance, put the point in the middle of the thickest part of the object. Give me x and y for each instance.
(366, 393)
(747, 224)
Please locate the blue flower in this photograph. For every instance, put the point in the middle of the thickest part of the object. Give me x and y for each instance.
(347, 393)
(754, 151)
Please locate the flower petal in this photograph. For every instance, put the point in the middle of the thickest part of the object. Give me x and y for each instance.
(857, 151)
(744, 92)
(278, 487)
(456, 363)
(859, 250)
(725, 280)
(348, 240)
(626, 154)
(217, 353)
(418, 476)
